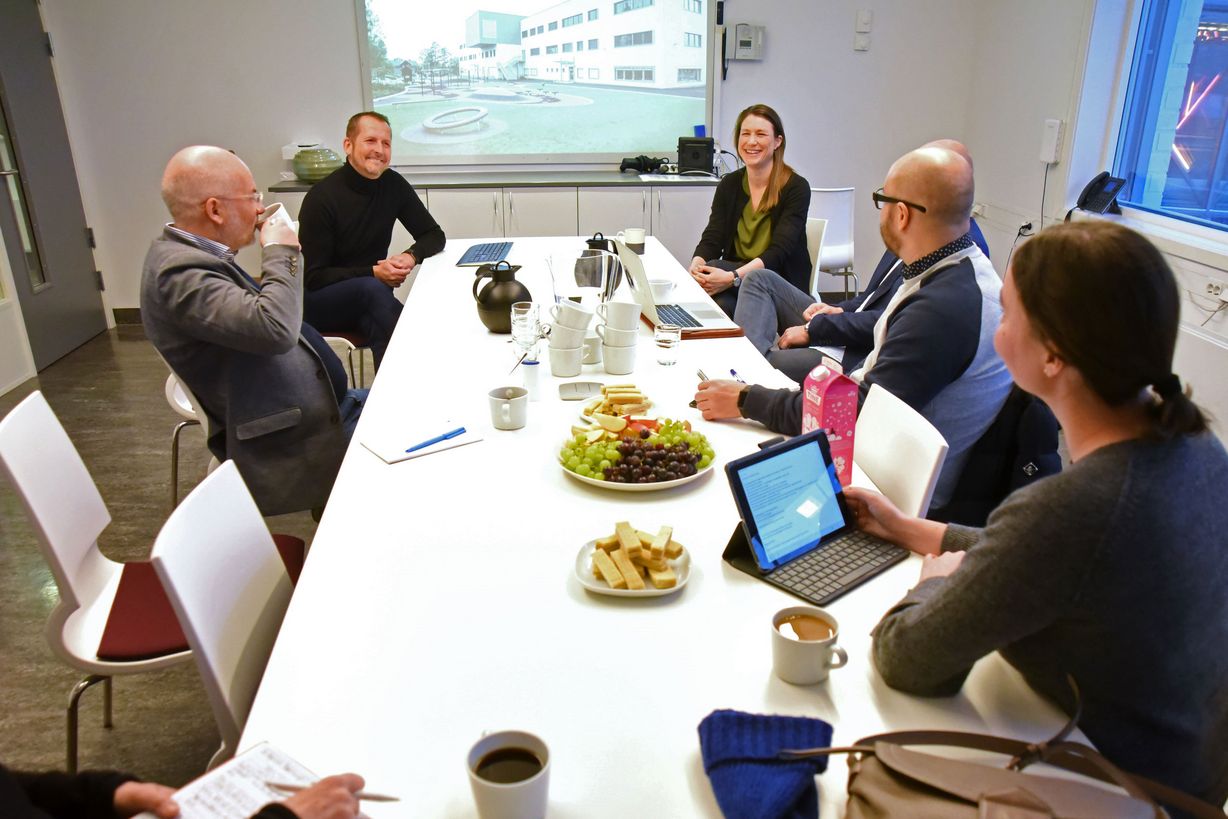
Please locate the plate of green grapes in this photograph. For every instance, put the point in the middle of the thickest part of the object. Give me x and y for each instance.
(632, 454)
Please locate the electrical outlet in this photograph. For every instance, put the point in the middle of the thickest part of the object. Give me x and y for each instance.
(1215, 288)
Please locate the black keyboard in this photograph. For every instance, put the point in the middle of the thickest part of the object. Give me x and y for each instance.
(823, 574)
(485, 253)
(673, 314)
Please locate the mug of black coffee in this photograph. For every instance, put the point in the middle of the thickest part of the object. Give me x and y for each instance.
(509, 772)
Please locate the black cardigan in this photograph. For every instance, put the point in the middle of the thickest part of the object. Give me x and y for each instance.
(787, 254)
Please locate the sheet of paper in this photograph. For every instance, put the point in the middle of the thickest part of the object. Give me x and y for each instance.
(238, 787)
(390, 440)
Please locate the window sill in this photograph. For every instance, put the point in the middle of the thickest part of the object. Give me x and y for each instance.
(1194, 243)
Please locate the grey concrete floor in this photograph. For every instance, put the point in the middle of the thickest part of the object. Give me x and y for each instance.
(109, 396)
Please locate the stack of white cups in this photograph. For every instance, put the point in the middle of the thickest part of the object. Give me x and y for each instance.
(618, 330)
(567, 337)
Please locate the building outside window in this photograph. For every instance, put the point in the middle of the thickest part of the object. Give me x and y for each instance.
(533, 52)
(689, 75)
(635, 73)
(635, 39)
(525, 34)
(579, 45)
(552, 49)
(553, 26)
(696, 6)
(594, 74)
(592, 14)
(631, 5)
(592, 44)
(1172, 149)
(574, 20)
(693, 40)
(566, 48)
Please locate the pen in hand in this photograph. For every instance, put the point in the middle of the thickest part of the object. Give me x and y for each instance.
(370, 797)
(702, 377)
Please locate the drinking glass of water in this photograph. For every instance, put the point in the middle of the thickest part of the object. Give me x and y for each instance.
(526, 328)
(667, 337)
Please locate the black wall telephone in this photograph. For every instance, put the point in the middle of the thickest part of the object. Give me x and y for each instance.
(1100, 195)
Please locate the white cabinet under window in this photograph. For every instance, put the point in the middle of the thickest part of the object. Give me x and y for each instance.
(538, 211)
(679, 216)
(467, 213)
(610, 210)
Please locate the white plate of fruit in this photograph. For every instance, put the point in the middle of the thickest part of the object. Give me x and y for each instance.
(632, 454)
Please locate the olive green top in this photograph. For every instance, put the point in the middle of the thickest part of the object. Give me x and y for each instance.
(754, 234)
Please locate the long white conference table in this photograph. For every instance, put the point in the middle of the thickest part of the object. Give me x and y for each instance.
(439, 598)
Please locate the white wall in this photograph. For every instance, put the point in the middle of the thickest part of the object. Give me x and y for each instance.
(140, 79)
(847, 114)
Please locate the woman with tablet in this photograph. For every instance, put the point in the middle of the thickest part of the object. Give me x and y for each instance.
(758, 214)
(1114, 571)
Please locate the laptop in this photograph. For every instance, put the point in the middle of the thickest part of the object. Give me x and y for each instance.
(485, 253)
(697, 319)
(797, 532)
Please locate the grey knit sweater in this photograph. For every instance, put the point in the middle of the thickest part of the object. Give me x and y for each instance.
(1115, 571)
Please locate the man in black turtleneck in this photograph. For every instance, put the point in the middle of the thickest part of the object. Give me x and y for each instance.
(345, 227)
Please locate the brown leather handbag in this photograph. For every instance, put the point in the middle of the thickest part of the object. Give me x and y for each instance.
(889, 779)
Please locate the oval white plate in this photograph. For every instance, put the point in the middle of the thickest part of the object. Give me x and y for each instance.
(584, 573)
(639, 487)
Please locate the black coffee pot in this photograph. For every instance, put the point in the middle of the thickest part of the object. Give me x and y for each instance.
(500, 293)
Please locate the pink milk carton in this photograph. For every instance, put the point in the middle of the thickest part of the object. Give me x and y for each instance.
(829, 401)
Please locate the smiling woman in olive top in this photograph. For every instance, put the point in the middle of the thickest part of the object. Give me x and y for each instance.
(1113, 571)
(758, 214)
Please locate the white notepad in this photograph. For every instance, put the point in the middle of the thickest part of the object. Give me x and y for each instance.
(238, 787)
(390, 441)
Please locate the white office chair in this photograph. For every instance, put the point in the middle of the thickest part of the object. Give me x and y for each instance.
(230, 589)
(351, 345)
(112, 618)
(900, 451)
(836, 206)
(184, 403)
(815, 228)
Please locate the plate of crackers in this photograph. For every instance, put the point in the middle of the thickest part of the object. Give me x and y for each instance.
(616, 400)
(634, 563)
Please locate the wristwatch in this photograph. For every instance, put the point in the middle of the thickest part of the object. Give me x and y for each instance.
(737, 280)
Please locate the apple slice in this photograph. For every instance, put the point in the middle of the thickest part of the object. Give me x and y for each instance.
(611, 422)
(595, 435)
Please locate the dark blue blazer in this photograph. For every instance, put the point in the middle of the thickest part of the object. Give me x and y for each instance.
(855, 331)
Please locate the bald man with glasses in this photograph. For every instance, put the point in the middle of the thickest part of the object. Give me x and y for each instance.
(933, 343)
(274, 395)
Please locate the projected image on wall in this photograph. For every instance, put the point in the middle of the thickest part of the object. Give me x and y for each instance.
(526, 81)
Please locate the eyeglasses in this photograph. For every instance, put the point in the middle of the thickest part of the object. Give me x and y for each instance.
(257, 197)
(881, 199)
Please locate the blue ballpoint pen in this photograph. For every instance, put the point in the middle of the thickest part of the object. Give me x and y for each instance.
(734, 373)
(437, 439)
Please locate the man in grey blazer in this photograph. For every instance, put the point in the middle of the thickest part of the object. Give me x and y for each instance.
(273, 393)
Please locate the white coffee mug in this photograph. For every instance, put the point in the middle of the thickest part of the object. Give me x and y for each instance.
(805, 661)
(522, 799)
(662, 289)
(618, 360)
(632, 236)
(592, 349)
(620, 315)
(509, 407)
(616, 338)
(567, 337)
(570, 314)
(565, 361)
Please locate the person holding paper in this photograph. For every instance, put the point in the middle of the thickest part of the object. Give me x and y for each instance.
(107, 794)
(273, 392)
